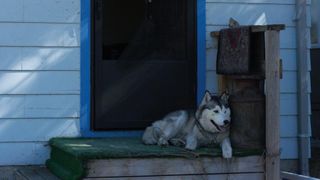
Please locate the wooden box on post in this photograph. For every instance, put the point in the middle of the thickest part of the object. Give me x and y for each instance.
(254, 91)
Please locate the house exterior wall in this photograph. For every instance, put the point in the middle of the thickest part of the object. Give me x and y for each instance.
(39, 77)
(40, 70)
(260, 12)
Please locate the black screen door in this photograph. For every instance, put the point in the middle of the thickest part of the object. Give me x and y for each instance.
(144, 61)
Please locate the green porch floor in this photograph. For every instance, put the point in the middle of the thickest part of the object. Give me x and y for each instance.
(69, 155)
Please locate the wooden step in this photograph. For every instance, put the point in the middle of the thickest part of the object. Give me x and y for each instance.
(128, 158)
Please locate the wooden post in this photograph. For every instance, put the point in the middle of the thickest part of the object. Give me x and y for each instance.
(272, 105)
(303, 98)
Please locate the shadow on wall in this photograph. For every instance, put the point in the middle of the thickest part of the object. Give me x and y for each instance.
(40, 83)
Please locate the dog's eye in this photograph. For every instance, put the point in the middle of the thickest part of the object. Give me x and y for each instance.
(216, 111)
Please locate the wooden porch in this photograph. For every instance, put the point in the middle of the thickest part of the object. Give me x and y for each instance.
(26, 173)
(128, 158)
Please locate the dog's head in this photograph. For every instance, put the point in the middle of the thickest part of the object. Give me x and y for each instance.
(214, 113)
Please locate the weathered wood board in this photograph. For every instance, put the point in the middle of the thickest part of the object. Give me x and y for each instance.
(26, 173)
(180, 167)
(253, 176)
(272, 105)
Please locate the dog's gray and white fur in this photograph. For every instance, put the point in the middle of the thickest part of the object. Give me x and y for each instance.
(208, 124)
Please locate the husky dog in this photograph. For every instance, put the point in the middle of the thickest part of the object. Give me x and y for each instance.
(208, 124)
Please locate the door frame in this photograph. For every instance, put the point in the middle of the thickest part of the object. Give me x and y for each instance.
(85, 69)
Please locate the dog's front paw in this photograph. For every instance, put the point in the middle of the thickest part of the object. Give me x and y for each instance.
(162, 142)
(227, 152)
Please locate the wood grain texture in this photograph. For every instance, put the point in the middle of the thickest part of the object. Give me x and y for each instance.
(288, 57)
(39, 58)
(39, 82)
(173, 166)
(287, 37)
(39, 34)
(255, 176)
(26, 173)
(272, 91)
(39, 106)
(23, 153)
(40, 11)
(303, 41)
(37, 129)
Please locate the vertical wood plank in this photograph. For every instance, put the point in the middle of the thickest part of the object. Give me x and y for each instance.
(272, 105)
(303, 95)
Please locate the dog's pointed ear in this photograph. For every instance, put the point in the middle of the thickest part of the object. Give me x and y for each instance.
(225, 97)
(206, 98)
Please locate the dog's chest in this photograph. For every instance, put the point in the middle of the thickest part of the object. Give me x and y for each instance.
(205, 139)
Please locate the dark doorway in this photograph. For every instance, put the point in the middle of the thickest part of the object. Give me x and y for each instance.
(144, 61)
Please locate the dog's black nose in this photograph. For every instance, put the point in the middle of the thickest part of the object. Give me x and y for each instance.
(226, 122)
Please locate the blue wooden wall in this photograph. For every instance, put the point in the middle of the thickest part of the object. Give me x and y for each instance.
(39, 77)
(40, 69)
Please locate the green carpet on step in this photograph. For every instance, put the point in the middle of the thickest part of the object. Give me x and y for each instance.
(69, 156)
(99, 148)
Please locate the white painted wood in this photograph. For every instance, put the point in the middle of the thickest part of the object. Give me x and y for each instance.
(287, 37)
(11, 10)
(40, 82)
(38, 58)
(254, 1)
(212, 81)
(288, 104)
(255, 176)
(173, 166)
(293, 176)
(288, 126)
(38, 34)
(18, 130)
(65, 11)
(289, 148)
(288, 57)
(250, 14)
(39, 106)
(288, 83)
(23, 153)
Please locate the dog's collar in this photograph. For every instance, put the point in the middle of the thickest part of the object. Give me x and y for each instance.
(204, 132)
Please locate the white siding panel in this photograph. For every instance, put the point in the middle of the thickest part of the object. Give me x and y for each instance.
(211, 56)
(211, 81)
(288, 126)
(288, 104)
(39, 106)
(65, 11)
(23, 58)
(250, 14)
(288, 57)
(289, 148)
(292, 2)
(17, 130)
(255, 1)
(36, 34)
(288, 83)
(287, 37)
(23, 153)
(11, 10)
(39, 82)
